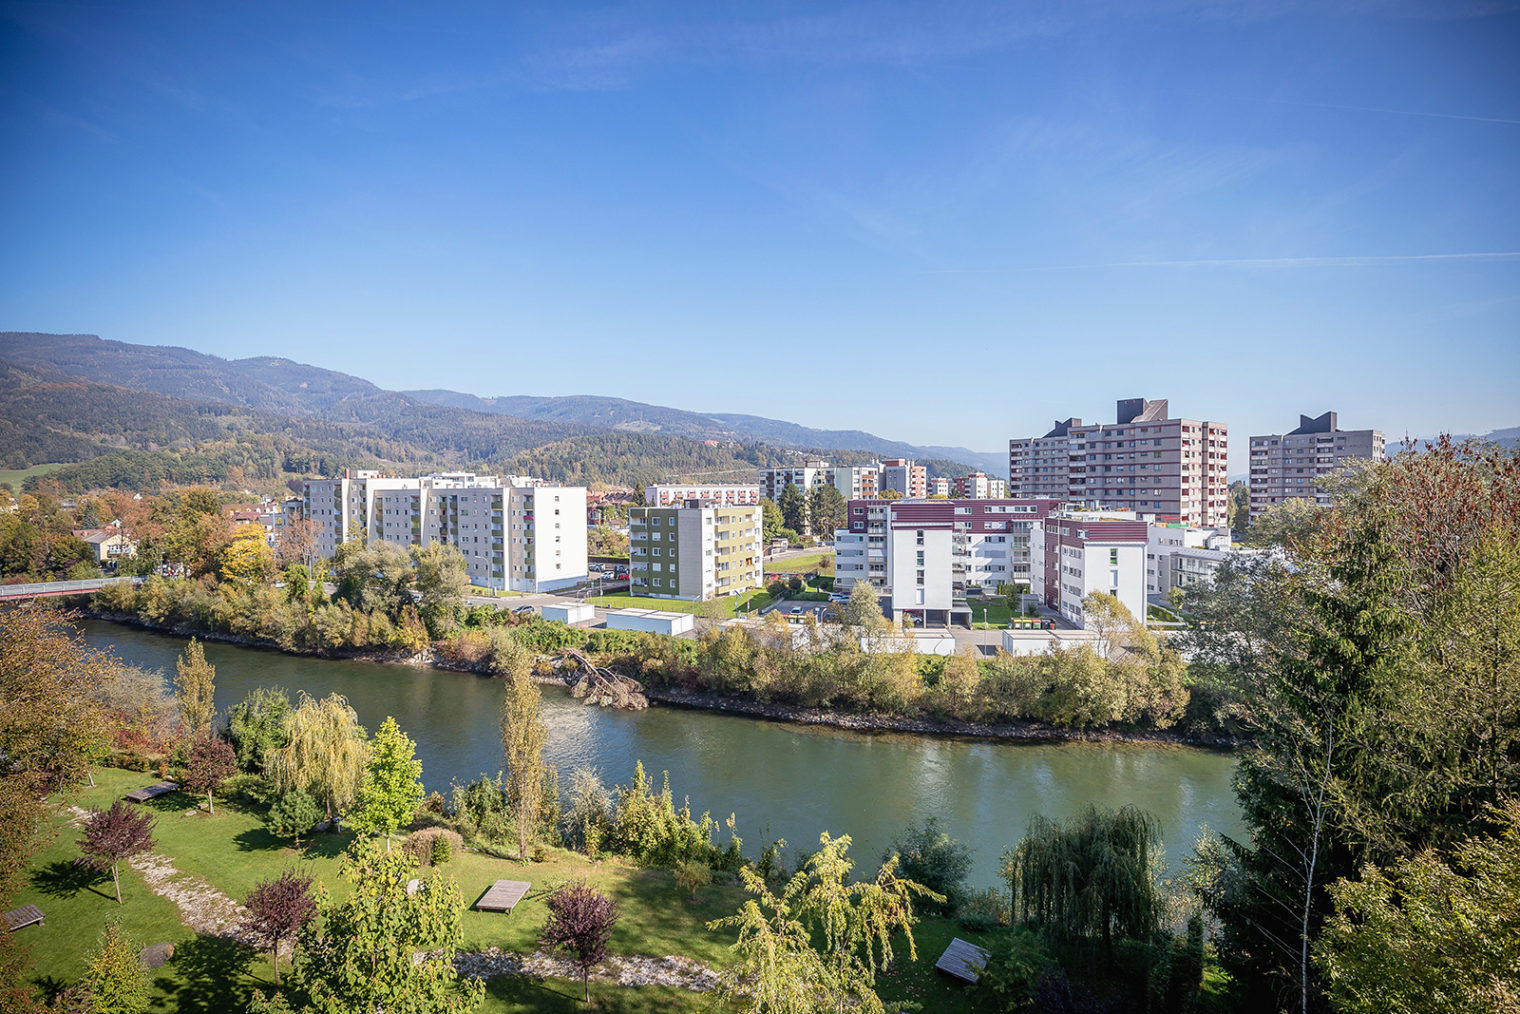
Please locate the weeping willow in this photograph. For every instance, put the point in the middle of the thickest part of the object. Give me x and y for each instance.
(1088, 877)
(325, 753)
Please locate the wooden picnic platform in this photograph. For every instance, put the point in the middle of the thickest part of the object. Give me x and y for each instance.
(963, 960)
(503, 896)
(151, 792)
(26, 915)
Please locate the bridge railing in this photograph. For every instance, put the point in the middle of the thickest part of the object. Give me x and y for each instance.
(22, 591)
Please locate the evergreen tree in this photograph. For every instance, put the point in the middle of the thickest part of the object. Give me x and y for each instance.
(116, 981)
(793, 506)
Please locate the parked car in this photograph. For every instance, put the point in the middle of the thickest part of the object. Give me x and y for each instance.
(520, 610)
(796, 610)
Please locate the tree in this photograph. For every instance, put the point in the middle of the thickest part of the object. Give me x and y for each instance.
(392, 788)
(826, 510)
(442, 579)
(277, 909)
(1432, 935)
(113, 835)
(1088, 877)
(373, 577)
(293, 814)
(779, 968)
(523, 735)
(863, 610)
(51, 727)
(115, 982)
(195, 683)
(383, 948)
(324, 753)
(771, 519)
(580, 924)
(256, 725)
(247, 559)
(793, 506)
(1240, 505)
(928, 856)
(210, 763)
(692, 875)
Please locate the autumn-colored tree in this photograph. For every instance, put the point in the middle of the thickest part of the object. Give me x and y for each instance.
(580, 923)
(113, 835)
(50, 724)
(247, 559)
(211, 762)
(523, 735)
(195, 684)
(116, 981)
(277, 909)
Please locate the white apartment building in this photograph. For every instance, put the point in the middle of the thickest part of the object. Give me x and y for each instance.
(676, 494)
(1180, 556)
(1076, 553)
(697, 550)
(977, 486)
(515, 533)
(939, 486)
(926, 555)
(852, 481)
(1284, 466)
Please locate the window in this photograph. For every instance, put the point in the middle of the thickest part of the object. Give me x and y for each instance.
(1113, 558)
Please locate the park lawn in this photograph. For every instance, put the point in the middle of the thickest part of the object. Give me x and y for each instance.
(731, 604)
(821, 561)
(16, 476)
(232, 851)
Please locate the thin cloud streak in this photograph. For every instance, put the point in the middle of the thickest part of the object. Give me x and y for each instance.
(1410, 112)
(1250, 262)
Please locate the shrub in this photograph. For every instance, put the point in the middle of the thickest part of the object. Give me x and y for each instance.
(432, 845)
(690, 876)
(1018, 963)
(931, 857)
(985, 909)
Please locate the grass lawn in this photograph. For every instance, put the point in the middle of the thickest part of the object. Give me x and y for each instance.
(731, 604)
(16, 476)
(821, 561)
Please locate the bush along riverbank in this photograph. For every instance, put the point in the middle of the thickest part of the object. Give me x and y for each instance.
(1134, 686)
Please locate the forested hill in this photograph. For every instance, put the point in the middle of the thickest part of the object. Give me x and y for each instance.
(69, 398)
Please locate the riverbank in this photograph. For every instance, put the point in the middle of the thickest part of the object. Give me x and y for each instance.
(923, 725)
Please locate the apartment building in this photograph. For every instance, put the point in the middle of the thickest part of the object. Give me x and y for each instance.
(675, 494)
(1180, 556)
(1145, 461)
(515, 533)
(701, 549)
(926, 555)
(901, 474)
(1076, 553)
(977, 486)
(852, 481)
(1284, 466)
(939, 486)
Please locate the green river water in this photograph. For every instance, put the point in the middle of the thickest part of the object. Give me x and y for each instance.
(781, 780)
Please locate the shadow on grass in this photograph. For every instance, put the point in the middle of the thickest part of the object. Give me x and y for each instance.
(67, 877)
(535, 994)
(209, 974)
(318, 846)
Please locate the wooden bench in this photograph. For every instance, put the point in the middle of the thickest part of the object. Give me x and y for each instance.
(26, 915)
(151, 792)
(503, 896)
(963, 960)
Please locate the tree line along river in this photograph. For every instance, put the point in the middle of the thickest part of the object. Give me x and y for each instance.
(780, 780)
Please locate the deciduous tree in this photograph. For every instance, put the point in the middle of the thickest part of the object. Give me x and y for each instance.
(523, 735)
(113, 835)
(195, 685)
(277, 909)
(116, 981)
(580, 924)
(211, 762)
(324, 753)
(392, 788)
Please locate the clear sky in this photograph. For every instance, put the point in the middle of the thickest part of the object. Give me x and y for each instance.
(941, 222)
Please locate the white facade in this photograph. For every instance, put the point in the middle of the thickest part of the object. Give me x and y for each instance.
(515, 533)
(977, 486)
(853, 481)
(1075, 555)
(654, 621)
(569, 612)
(674, 494)
(1178, 556)
(939, 486)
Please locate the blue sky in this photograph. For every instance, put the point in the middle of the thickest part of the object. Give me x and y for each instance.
(906, 218)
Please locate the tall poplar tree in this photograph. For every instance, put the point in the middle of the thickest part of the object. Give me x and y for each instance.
(523, 735)
(195, 686)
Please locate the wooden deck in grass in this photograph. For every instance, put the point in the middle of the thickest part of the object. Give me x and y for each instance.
(151, 792)
(26, 915)
(503, 896)
(962, 960)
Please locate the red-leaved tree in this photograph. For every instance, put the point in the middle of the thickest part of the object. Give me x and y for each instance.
(116, 834)
(211, 762)
(277, 909)
(580, 924)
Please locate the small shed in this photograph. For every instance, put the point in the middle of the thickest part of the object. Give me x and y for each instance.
(503, 896)
(151, 792)
(655, 621)
(569, 612)
(962, 960)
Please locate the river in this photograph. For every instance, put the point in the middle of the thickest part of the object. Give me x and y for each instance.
(781, 780)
